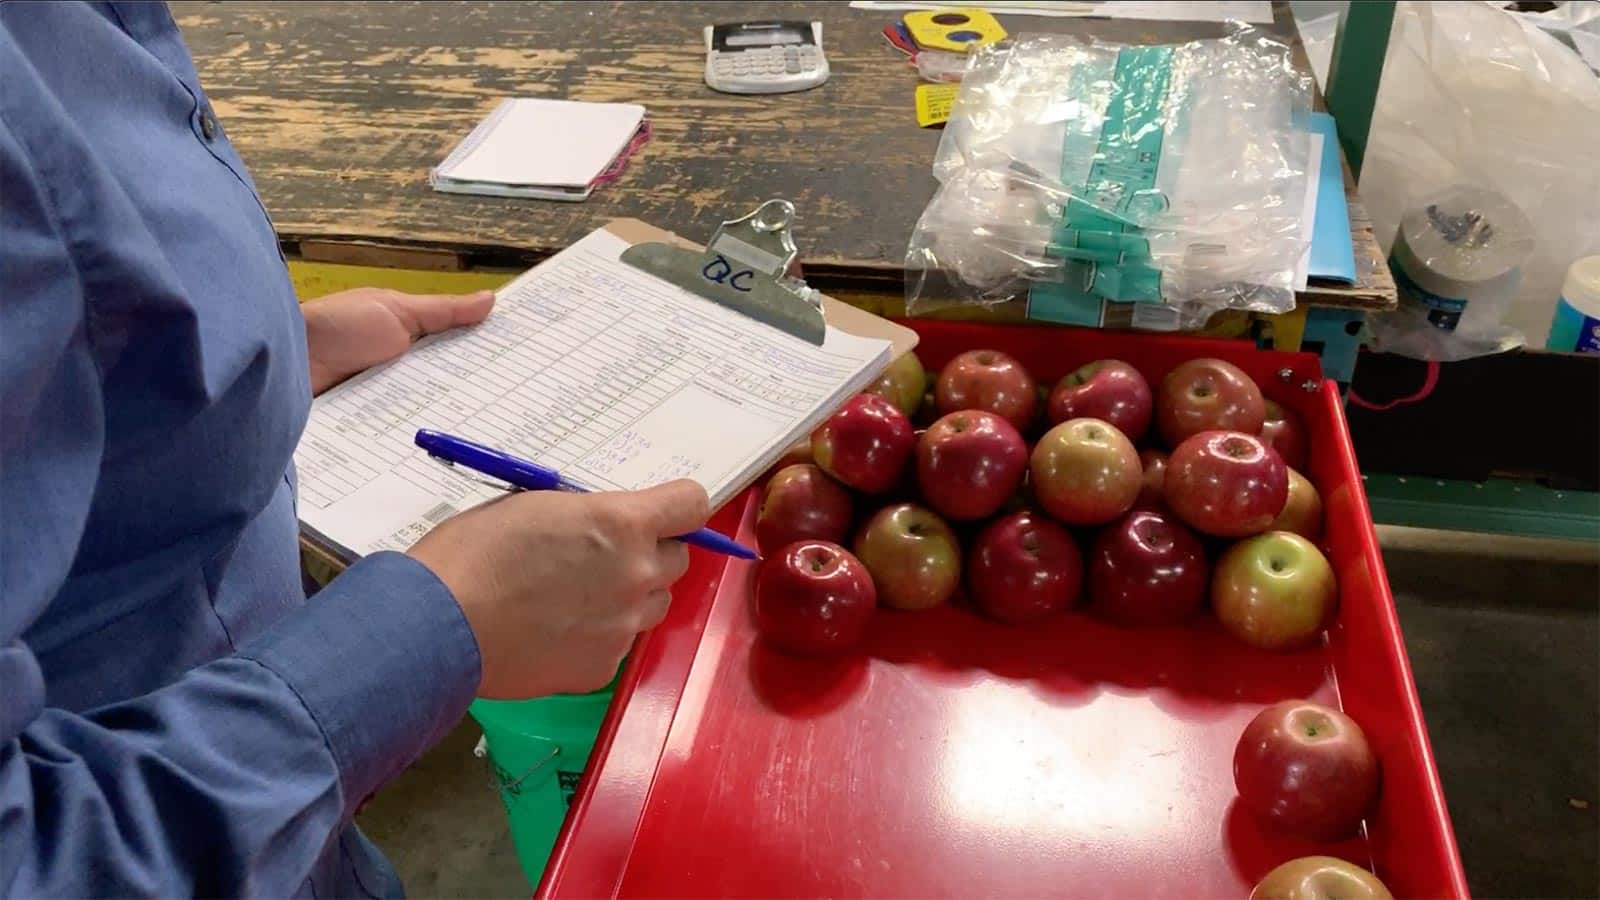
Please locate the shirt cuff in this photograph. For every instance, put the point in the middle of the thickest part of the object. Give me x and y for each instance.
(383, 660)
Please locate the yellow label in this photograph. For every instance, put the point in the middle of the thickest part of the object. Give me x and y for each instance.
(934, 102)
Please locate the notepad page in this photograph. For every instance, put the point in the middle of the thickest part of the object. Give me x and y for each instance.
(560, 143)
(616, 378)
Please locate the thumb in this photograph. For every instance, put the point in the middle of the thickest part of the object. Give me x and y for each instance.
(425, 314)
(674, 508)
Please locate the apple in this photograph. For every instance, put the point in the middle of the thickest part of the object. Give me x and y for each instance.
(866, 444)
(1306, 770)
(927, 411)
(1084, 472)
(799, 452)
(1207, 395)
(1273, 591)
(914, 557)
(801, 502)
(1146, 568)
(1302, 512)
(813, 598)
(1024, 568)
(1109, 390)
(1320, 878)
(1226, 483)
(991, 381)
(1153, 483)
(1285, 433)
(902, 384)
(969, 463)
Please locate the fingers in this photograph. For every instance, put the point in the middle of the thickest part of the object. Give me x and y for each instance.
(674, 508)
(672, 560)
(653, 609)
(425, 314)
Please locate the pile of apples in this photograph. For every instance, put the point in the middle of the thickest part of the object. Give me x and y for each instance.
(1231, 481)
(1214, 507)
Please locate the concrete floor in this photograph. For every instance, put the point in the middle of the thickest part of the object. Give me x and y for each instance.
(1504, 639)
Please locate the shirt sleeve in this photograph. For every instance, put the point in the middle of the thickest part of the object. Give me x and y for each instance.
(233, 779)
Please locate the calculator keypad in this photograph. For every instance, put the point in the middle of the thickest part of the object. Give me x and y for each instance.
(768, 62)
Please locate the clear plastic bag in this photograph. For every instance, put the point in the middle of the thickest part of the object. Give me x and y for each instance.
(1165, 174)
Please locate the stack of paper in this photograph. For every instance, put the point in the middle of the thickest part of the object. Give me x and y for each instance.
(543, 149)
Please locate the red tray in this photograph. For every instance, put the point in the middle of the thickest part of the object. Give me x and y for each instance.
(959, 757)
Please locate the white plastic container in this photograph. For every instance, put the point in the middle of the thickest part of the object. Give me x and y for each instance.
(1576, 326)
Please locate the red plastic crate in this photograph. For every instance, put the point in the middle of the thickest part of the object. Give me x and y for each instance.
(955, 756)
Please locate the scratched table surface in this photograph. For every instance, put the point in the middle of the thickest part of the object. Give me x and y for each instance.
(341, 108)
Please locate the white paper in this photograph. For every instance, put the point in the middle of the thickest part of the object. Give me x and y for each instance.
(552, 143)
(1308, 212)
(1258, 13)
(617, 379)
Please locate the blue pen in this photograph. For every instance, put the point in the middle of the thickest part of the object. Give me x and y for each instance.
(530, 476)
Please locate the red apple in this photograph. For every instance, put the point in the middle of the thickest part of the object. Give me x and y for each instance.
(1085, 472)
(969, 463)
(1320, 878)
(914, 557)
(1207, 395)
(1302, 512)
(1226, 483)
(1110, 390)
(1153, 484)
(799, 503)
(1285, 433)
(866, 444)
(1024, 568)
(1273, 591)
(1147, 569)
(991, 381)
(813, 598)
(902, 384)
(1306, 769)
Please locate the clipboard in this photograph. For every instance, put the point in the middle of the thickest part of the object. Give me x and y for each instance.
(322, 560)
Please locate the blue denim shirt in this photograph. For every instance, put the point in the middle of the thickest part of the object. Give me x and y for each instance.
(175, 717)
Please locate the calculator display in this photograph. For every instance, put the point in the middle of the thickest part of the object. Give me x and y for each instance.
(761, 34)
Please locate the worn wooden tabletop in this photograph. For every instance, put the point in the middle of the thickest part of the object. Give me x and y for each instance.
(341, 108)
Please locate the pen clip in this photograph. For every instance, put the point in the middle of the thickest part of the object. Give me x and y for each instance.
(497, 485)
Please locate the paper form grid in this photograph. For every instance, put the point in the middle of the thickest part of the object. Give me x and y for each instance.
(615, 378)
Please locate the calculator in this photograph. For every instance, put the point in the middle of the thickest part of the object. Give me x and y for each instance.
(765, 57)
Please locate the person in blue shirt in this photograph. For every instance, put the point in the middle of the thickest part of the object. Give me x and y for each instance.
(176, 718)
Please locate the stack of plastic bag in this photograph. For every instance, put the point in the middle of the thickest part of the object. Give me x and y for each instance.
(1165, 180)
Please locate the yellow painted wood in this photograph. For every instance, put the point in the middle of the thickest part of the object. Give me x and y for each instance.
(1288, 329)
(314, 279)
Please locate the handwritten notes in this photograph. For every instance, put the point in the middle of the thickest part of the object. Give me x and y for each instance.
(618, 379)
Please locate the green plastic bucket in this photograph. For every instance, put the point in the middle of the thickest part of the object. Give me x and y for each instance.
(536, 751)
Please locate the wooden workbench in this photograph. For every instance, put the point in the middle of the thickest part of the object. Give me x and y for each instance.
(341, 108)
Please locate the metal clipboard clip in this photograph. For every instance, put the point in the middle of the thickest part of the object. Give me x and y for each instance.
(745, 268)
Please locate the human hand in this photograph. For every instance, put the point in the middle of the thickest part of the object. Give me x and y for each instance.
(350, 331)
(556, 585)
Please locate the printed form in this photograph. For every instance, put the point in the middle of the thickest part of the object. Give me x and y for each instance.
(615, 378)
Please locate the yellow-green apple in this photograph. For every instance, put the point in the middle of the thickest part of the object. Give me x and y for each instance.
(1320, 878)
(914, 557)
(902, 384)
(1302, 512)
(1084, 472)
(1274, 591)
